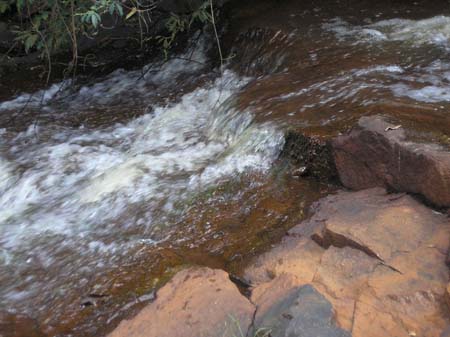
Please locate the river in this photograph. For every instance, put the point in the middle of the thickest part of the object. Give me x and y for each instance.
(107, 188)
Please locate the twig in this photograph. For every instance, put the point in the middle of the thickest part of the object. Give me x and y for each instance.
(74, 40)
(213, 21)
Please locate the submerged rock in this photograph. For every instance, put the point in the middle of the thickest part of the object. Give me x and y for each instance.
(377, 153)
(197, 302)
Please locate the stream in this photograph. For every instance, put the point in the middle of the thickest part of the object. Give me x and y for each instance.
(107, 188)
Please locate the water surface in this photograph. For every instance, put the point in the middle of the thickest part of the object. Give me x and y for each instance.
(107, 188)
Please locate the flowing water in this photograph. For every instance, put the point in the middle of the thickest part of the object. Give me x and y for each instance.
(106, 188)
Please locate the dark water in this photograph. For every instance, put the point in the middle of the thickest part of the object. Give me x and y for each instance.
(107, 189)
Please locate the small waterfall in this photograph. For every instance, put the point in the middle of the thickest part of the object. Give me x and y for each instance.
(96, 178)
(75, 201)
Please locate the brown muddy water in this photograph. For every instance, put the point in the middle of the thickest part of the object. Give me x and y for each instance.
(107, 189)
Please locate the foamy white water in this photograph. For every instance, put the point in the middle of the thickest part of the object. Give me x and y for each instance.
(77, 201)
(121, 86)
(426, 80)
(435, 30)
(98, 193)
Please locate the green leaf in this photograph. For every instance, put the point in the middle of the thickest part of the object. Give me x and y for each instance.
(95, 19)
(119, 9)
(20, 4)
(4, 6)
(30, 41)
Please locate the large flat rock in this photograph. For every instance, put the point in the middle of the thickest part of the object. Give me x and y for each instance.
(380, 224)
(380, 264)
(197, 302)
(342, 276)
(377, 153)
(297, 256)
(366, 264)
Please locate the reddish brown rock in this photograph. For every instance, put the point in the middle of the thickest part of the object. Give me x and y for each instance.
(383, 269)
(345, 271)
(371, 321)
(297, 256)
(385, 302)
(414, 300)
(375, 153)
(197, 302)
(268, 296)
(367, 263)
(342, 276)
(381, 225)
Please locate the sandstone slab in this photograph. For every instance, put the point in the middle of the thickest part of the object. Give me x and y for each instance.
(381, 225)
(197, 302)
(342, 276)
(377, 153)
(382, 265)
(294, 255)
(366, 264)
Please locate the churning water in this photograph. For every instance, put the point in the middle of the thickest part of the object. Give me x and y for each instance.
(76, 200)
(79, 198)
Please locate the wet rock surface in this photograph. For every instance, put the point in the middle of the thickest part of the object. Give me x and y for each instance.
(197, 302)
(284, 259)
(367, 263)
(379, 224)
(384, 274)
(378, 153)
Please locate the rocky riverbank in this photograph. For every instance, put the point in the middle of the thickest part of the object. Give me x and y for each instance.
(124, 178)
(367, 263)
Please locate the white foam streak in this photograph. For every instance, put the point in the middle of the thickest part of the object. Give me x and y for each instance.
(120, 85)
(99, 192)
(435, 30)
